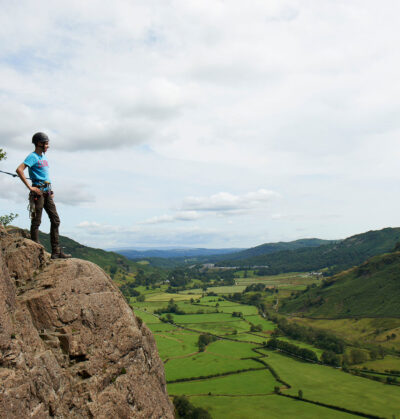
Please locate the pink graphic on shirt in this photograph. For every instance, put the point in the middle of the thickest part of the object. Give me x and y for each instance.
(43, 163)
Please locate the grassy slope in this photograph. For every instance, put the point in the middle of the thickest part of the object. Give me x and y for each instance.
(98, 256)
(370, 290)
(368, 331)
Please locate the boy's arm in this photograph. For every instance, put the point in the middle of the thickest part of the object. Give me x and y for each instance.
(20, 172)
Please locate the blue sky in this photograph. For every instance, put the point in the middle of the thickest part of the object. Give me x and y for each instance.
(213, 123)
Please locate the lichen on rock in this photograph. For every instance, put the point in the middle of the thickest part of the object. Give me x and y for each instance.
(70, 346)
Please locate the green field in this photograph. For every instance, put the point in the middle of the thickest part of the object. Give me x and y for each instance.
(263, 407)
(228, 289)
(147, 317)
(246, 310)
(246, 383)
(228, 393)
(333, 386)
(220, 328)
(165, 297)
(205, 363)
(187, 307)
(148, 306)
(250, 337)
(258, 320)
(232, 349)
(203, 318)
(161, 327)
(381, 365)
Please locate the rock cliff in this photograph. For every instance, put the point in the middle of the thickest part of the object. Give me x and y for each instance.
(70, 346)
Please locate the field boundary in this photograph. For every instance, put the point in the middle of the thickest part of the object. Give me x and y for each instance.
(223, 374)
(331, 406)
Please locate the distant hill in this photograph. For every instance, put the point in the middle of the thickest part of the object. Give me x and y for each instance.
(230, 256)
(173, 253)
(369, 290)
(268, 248)
(336, 256)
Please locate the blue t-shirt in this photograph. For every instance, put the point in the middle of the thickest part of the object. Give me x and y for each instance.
(38, 167)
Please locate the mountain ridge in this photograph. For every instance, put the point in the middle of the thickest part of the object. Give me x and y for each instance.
(336, 256)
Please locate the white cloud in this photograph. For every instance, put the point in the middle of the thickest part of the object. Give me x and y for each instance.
(221, 204)
(179, 216)
(92, 233)
(12, 189)
(73, 194)
(226, 202)
(93, 227)
(185, 98)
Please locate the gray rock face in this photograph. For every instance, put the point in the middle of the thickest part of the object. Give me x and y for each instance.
(70, 346)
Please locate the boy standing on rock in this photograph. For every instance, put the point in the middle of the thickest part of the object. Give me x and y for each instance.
(41, 195)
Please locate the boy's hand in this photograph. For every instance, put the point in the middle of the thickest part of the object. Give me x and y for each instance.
(36, 190)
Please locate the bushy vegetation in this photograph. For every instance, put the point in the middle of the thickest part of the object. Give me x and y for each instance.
(318, 338)
(172, 307)
(185, 410)
(330, 358)
(6, 219)
(291, 349)
(204, 340)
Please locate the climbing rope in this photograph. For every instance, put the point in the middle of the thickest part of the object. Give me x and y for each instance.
(11, 174)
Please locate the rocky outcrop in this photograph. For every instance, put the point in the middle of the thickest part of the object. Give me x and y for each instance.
(70, 346)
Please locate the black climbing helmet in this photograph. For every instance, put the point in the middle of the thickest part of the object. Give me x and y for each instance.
(40, 137)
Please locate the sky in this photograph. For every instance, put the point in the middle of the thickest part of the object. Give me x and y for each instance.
(205, 123)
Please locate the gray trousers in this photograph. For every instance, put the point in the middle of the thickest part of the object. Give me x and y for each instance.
(45, 201)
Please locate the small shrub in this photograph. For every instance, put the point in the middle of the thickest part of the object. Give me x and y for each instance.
(7, 219)
(139, 321)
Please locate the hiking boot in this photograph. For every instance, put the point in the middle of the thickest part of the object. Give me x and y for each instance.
(60, 255)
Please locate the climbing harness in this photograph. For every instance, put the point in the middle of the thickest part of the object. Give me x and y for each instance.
(45, 187)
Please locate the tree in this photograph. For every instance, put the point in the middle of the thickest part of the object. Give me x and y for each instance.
(330, 358)
(358, 356)
(178, 278)
(7, 219)
(185, 409)
(204, 340)
(255, 327)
